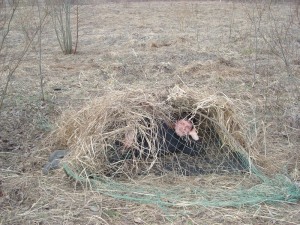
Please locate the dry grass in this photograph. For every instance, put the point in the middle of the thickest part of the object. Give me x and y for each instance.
(32, 198)
(145, 46)
(92, 133)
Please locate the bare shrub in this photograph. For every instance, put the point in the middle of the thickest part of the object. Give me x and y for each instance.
(61, 17)
(16, 20)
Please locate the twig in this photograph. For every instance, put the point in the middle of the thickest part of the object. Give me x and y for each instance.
(77, 25)
(19, 60)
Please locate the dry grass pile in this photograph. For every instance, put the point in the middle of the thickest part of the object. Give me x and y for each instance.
(96, 133)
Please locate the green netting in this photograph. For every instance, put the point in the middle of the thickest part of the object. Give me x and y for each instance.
(269, 190)
(95, 136)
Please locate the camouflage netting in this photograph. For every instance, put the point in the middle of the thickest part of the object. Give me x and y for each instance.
(95, 135)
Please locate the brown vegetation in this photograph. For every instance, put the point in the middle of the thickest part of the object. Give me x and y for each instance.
(210, 47)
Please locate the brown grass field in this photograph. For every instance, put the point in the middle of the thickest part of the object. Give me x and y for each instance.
(209, 46)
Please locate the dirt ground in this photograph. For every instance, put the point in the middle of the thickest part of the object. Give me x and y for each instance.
(221, 47)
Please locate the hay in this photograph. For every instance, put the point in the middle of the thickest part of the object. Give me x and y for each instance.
(99, 161)
(94, 134)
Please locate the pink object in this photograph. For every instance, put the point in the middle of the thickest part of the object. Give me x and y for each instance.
(129, 138)
(184, 127)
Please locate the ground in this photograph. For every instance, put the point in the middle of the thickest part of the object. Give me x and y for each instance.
(249, 52)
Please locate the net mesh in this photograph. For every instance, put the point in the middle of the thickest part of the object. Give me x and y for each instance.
(114, 144)
(167, 152)
(278, 189)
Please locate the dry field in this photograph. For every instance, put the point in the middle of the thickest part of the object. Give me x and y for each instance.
(248, 52)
